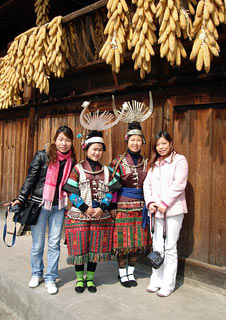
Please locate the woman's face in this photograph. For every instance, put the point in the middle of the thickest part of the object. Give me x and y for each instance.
(163, 147)
(95, 151)
(63, 143)
(135, 143)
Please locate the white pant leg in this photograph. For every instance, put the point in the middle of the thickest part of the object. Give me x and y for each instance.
(165, 276)
(157, 274)
(173, 227)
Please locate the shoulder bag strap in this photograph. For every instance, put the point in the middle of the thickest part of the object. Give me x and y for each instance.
(117, 164)
(5, 231)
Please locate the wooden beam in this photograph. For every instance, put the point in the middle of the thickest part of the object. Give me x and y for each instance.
(204, 272)
(85, 10)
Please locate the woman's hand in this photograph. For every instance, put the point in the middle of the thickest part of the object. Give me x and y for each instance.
(113, 213)
(89, 212)
(162, 208)
(13, 203)
(152, 207)
(98, 213)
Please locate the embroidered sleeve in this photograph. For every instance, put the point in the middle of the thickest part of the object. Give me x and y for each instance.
(105, 202)
(76, 200)
(72, 184)
(72, 187)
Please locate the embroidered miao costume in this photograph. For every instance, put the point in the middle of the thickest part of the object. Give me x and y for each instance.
(88, 239)
(128, 235)
(129, 172)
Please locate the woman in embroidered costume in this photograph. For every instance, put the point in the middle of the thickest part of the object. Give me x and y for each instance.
(88, 224)
(48, 172)
(128, 172)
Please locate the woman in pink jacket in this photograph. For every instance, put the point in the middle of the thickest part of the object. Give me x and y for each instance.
(164, 192)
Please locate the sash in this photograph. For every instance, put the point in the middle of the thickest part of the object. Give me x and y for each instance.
(136, 194)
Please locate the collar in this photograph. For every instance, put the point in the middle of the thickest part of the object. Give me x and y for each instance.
(169, 159)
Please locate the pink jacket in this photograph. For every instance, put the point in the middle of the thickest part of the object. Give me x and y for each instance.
(166, 183)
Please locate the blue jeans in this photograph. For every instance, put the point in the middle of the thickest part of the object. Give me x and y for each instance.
(55, 219)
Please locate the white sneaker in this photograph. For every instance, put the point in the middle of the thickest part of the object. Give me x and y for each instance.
(164, 293)
(152, 289)
(35, 281)
(51, 287)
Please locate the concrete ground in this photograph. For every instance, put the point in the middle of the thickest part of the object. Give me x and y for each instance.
(5, 313)
(191, 300)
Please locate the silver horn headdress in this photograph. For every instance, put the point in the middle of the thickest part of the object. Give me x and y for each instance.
(96, 122)
(133, 111)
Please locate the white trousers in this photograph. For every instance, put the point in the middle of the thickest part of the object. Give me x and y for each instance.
(165, 276)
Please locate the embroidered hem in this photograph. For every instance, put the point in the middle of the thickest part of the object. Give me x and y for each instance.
(92, 257)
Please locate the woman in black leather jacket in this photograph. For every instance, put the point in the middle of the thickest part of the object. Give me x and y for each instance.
(48, 172)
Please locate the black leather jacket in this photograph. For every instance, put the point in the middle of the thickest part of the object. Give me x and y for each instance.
(34, 182)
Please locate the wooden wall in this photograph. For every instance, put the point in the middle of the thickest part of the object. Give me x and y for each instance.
(200, 134)
(14, 146)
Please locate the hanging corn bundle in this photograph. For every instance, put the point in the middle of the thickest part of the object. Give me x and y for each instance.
(173, 20)
(191, 6)
(42, 12)
(185, 12)
(117, 28)
(73, 36)
(30, 60)
(209, 14)
(99, 31)
(143, 36)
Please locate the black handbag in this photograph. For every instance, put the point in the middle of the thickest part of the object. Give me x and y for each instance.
(28, 213)
(155, 257)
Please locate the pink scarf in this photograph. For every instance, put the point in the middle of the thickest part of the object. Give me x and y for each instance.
(51, 181)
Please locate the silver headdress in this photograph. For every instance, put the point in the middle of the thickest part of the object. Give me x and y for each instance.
(96, 121)
(133, 113)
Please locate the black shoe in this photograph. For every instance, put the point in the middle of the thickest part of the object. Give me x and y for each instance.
(126, 284)
(80, 289)
(91, 289)
(132, 282)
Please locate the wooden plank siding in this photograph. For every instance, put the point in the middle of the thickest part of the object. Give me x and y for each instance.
(199, 134)
(13, 157)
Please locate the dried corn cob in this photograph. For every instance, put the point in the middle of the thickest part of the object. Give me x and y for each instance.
(174, 20)
(209, 14)
(116, 30)
(99, 32)
(42, 11)
(143, 36)
(30, 60)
